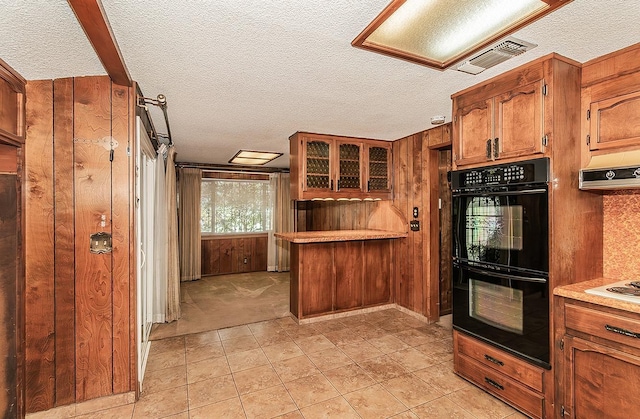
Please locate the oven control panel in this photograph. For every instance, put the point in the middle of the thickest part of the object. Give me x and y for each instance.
(530, 171)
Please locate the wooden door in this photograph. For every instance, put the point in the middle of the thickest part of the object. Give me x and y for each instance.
(9, 289)
(349, 167)
(601, 382)
(318, 168)
(349, 274)
(615, 122)
(473, 133)
(519, 122)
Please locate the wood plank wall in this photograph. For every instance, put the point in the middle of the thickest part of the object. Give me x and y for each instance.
(333, 215)
(415, 184)
(227, 255)
(80, 320)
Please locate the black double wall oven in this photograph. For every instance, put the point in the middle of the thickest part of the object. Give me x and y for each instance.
(501, 256)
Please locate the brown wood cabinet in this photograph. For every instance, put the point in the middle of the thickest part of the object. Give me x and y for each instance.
(521, 113)
(504, 118)
(611, 103)
(339, 276)
(325, 166)
(12, 106)
(599, 354)
(512, 380)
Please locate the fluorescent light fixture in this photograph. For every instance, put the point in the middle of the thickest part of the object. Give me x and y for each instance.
(254, 158)
(440, 33)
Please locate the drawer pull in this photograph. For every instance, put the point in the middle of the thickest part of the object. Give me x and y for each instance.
(495, 361)
(622, 331)
(493, 383)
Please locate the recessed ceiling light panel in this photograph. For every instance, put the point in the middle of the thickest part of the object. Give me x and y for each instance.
(440, 33)
(254, 158)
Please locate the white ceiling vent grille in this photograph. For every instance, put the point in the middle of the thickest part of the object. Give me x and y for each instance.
(501, 52)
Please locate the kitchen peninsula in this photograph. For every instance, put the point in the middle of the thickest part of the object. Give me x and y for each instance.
(341, 270)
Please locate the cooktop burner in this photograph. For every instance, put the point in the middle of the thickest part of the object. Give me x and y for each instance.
(623, 290)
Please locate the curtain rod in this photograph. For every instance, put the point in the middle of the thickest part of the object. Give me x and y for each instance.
(161, 102)
(231, 168)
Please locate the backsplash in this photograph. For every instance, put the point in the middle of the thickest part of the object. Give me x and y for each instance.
(621, 228)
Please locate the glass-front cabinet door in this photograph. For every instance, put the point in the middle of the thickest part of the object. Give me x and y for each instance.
(349, 167)
(379, 169)
(318, 165)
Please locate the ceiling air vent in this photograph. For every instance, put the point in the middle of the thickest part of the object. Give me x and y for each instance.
(501, 52)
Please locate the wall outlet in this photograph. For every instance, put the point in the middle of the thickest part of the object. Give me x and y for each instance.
(244, 261)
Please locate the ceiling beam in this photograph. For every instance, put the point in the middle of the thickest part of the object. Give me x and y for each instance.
(94, 22)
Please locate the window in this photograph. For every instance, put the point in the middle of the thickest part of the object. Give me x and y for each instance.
(236, 206)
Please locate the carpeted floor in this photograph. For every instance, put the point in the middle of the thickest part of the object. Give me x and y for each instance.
(217, 302)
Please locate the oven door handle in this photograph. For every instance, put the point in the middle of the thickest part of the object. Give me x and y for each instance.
(501, 193)
(506, 276)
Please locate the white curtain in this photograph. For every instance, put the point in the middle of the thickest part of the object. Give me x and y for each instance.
(278, 250)
(162, 244)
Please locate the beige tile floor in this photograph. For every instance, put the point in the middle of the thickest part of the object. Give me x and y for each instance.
(376, 365)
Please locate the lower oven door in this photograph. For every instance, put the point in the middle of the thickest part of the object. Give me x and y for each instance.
(508, 310)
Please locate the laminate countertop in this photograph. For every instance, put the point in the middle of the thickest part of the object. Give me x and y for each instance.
(339, 235)
(577, 292)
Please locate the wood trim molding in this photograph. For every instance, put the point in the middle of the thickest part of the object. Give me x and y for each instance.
(94, 22)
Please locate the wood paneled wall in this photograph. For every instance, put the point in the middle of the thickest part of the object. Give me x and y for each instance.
(333, 215)
(228, 255)
(80, 320)
(415, 185)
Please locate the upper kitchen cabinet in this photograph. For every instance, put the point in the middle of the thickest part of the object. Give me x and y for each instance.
(12, 102)
(611, 102)
(324, 166)
(509, 116)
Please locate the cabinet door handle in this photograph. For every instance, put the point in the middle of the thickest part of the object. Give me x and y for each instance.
(493, 383)
(496, 148)
(488, 148)
(622, 331)
(492, 359)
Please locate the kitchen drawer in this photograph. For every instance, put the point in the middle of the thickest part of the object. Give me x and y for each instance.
(510, 391)
(604, 325)
(498, 360)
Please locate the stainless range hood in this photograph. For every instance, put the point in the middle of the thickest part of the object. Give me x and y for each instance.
(612, 171)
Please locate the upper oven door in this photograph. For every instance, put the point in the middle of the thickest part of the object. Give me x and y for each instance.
(502, 227)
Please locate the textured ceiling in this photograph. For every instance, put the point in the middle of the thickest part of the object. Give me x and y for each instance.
(249, 73)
